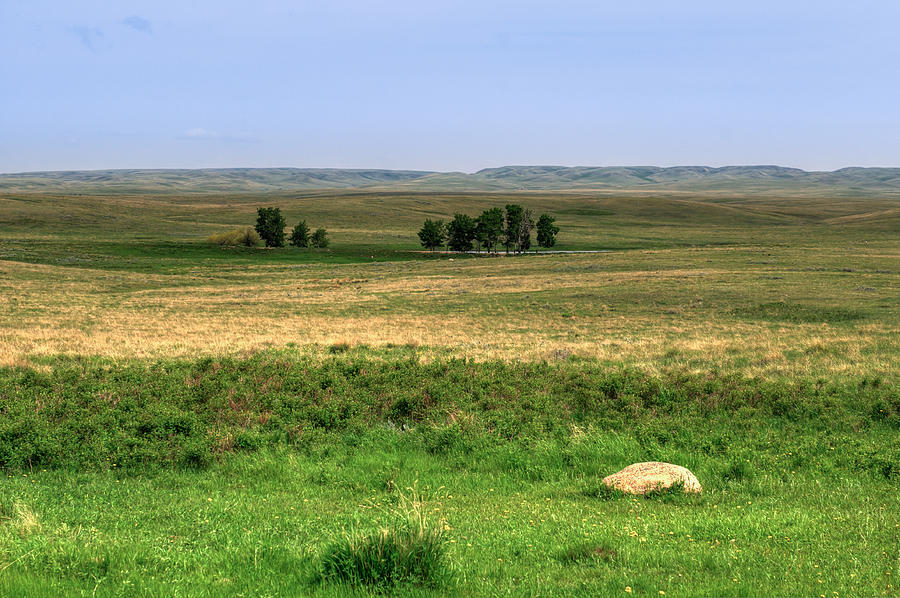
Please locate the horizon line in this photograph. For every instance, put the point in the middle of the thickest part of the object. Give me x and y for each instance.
(427, 172)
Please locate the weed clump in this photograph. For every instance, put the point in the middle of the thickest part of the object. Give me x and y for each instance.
(586, 553)
(21, 519)
(738, 470)
(409, 550)
(339, 347)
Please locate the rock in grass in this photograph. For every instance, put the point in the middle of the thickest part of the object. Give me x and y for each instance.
(641, 478)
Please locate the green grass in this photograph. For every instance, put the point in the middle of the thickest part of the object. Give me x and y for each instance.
(261, 524)
(277, 474)
(410, 550)
(781, 311)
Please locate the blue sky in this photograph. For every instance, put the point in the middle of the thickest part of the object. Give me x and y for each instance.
(452, 85)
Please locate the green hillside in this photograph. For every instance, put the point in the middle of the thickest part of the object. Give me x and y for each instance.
(205, 180)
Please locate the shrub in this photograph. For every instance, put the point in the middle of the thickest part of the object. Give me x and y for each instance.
(195, 454)
(410, 550)
(319, 238)
(233, 238)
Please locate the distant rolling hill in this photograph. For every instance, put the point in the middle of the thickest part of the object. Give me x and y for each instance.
(847, 181)
(214, 180)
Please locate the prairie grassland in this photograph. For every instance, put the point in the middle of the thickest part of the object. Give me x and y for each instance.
(186, 419)
(665, 308)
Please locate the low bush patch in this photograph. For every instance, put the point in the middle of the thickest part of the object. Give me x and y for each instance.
(233, 238)
(96, 415)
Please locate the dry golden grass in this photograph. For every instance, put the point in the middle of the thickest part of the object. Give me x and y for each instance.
(685, 286)
(20, 519)
(652, 309)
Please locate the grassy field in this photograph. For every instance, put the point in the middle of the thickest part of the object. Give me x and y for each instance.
(183, 419)
(758, 287)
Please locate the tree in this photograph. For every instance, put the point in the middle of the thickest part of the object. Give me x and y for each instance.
(526, 223)
(461, 233)
(546, 231)
(300, 235)
(319, 238)
(489, 228)
(270, 226)
(432, 234)
(513, 222)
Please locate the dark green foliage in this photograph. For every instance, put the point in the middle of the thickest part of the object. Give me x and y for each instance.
(461, 232)
(319, 238)
(300, 235)
(489, 228)
(270, 226)
(519, 223)
(183, 413)
(432, 234)
(511, 232)
(546, 231)
(526, 224)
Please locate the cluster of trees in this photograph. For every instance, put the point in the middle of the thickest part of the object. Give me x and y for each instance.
(491, 230)
(301, 237)
(270, 227)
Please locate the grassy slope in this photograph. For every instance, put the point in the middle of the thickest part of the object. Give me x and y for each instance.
(760, 291)
(799, 489)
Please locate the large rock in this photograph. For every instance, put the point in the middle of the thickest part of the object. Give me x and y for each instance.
(641, 478)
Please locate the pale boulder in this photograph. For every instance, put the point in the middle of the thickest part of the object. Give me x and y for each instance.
(641, 478)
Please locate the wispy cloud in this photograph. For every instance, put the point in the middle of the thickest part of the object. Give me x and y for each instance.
(138, 24)
(89, 36)
(199, 133)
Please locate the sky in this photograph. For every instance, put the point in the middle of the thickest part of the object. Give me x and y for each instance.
(447, 85)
